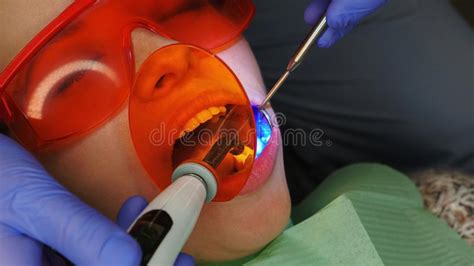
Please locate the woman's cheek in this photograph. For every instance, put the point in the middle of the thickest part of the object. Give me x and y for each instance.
(101, 168)
(241, 60)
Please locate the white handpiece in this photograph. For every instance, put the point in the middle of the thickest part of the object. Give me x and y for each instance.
(166, 223)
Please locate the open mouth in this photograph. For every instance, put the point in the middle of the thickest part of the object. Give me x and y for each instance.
(182, 119)
(220, 136)
(200, 132)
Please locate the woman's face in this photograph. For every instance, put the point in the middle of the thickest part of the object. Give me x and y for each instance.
(103, 169)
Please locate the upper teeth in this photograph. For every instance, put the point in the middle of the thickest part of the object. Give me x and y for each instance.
(201, 118)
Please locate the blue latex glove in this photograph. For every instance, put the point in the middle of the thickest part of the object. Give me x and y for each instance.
(342, 16)
(35, 209)
(129, 212)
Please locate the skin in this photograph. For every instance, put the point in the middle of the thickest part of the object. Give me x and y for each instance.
(106, 156)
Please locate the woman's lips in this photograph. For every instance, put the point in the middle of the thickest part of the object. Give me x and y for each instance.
(263, 165)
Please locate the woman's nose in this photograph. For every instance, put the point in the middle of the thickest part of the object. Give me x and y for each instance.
(144, 43)
(155, 72)
(163, 72)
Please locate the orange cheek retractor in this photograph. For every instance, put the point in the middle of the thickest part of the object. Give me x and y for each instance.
(188, 106)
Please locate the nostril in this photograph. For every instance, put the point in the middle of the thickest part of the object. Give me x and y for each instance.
(159, 84)
(165, 81)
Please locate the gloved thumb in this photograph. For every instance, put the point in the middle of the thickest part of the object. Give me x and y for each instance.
(35, 205)
(130, 210)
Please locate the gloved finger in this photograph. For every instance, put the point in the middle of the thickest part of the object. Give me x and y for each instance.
(130, 210)
(18, 249)
(184, 260)
(315, 11)
(329, 37)
(36, 205)
(345, 14)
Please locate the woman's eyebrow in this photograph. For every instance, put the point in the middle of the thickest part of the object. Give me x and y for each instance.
(69, 30)
(64, 33)
(190, 6)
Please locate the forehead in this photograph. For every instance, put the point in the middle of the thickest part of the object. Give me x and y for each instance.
(21, 20)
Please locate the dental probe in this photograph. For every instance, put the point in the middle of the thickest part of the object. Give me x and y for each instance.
(297, 57)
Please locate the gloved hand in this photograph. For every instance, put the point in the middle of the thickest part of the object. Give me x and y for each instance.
(130, 211)
(342, 16)
(35, 209)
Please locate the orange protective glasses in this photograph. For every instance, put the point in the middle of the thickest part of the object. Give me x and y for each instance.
(79, 71)
(84, 58)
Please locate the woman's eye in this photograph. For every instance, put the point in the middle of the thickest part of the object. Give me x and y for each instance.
(65, 76)
(69, 80)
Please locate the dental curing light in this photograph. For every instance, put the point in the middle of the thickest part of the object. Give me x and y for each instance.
(166, 223)
(263, 129)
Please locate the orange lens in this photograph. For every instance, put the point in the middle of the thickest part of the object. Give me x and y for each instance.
(179, 99)
(209, 24)
(68, 88)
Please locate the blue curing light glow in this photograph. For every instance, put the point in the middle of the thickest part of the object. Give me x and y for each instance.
(263, 128)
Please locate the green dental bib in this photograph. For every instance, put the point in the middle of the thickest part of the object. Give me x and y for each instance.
(364, 214)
